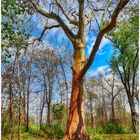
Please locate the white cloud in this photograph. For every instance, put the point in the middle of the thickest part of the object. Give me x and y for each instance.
(89, 47)
(101, 69)
(103, 43)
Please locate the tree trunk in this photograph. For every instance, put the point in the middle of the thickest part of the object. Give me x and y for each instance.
(76, 126)
(11, 105)
(48, 113)
(28, 93)
(20, 97)
(134, 120)
(105, 113)
(19, 122)
(27, 115)
(113, 111)
(133, 110)
(41, 113)
(11, 109)
(66, 85)
(133, 116)
(24, 105)
(91, 111)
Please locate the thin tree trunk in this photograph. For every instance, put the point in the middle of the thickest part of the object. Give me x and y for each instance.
(41, 114)
(105, 114)
(28, 93)
(91, 111)
(11, 99)
(48, 113)
(133, 115)
(11, 109)
(27, 115)
(11, 105)
(19, 119)
(24, 105)
(66, 85)
(48, 99)
(42, 107)
(113, 111)
(19, 103)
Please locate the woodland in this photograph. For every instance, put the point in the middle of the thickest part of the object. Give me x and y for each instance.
(69, 70)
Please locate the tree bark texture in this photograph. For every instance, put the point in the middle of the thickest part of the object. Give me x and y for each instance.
(133, 114)
(76, 126)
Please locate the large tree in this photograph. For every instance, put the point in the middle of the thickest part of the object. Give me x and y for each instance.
(73, 17)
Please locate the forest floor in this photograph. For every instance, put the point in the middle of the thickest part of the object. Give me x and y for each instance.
(26, 136)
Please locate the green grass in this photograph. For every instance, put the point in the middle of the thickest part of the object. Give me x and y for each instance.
(25, 136)
(115, 137)
(29, 136)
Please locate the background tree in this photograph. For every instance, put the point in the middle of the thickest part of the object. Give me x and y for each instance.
(113, 88)
(125, 59)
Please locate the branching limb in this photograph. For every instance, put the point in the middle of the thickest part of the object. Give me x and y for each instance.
(106, 9)
(71, 21)
(93, 7)
(105, 30)
(118, 92)
(55, 17)
(46, 28)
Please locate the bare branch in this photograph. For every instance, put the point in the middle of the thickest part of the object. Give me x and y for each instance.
(106, 9)
(94, 9)
(56, 18)
(72, 21)
(118, 92)
(46, 27)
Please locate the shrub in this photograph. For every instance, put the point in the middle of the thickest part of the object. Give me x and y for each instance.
(58, 131)
(98, 130)
(53, 130)
(111, 128)
(98, 138)
(90, 130)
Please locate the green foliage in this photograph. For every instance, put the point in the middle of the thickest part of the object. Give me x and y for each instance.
(5, 126)
(59, 114)
(126, 45)
(57, 111)
(34, 127)
(48, 129)
(58, 131)
(26, 136)
(13, 30)
(89, 130)
(53, 130)
(34, 130)
(111, 128)
(99, 130)
(5, 122)
(98, 138)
